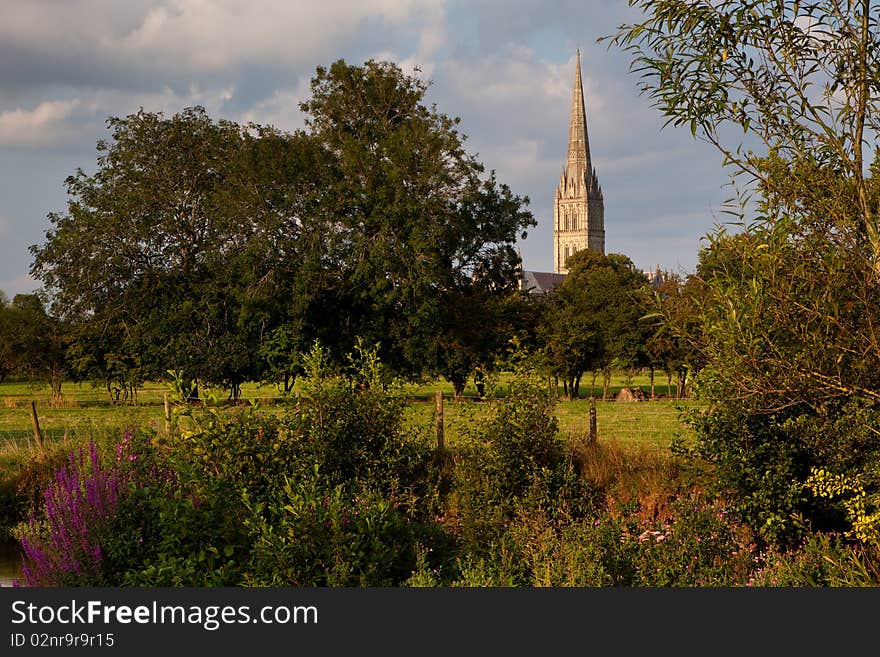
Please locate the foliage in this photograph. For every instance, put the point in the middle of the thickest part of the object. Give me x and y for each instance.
(316, 534)
(820, 560)
(592, 318)
(168, 276)
(862, 513)
(416, 226)
(673, 327)
(32, 342)
(225, 250)
(513, 459)
(798, 78)
(352, 430)
(787, 306)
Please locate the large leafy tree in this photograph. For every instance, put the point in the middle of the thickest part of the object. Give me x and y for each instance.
(414, 227)
(169, 255)
(788, 306)
(225, 250)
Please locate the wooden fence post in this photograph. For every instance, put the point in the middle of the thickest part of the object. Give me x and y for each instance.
(167, 414)
(38, 435)
(592, 419)
(439, 399)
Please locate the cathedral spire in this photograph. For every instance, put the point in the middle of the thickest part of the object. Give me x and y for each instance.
(579, 166)
(579, 212)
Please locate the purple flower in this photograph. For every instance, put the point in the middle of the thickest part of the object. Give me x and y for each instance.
(64, 546)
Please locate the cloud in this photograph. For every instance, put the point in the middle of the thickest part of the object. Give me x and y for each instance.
(127, 45)
(39, 126)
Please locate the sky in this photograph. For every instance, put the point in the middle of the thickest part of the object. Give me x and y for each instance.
(505, 68)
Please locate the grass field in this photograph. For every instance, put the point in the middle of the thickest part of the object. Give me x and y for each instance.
(87, 411)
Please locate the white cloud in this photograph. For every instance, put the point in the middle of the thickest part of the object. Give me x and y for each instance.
(39, 126)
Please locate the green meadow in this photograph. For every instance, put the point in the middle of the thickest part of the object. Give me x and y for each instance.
(87, 410)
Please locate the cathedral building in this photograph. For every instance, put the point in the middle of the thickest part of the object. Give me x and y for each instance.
(579, 208)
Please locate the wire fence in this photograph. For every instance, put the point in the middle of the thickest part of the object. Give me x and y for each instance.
(656, 423)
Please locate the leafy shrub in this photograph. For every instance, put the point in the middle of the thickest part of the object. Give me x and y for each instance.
(183, 525)
(319, 534)
(166, 537)
(699, 544)
(227, 451)
(763, 462)
(820, 560)
(352, 430)
(758, 465)
(513, 459)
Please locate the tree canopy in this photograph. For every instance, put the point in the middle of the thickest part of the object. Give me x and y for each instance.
(592, 318)
(225, 250)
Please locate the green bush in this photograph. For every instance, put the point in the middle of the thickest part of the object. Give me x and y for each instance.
(820, 560)
(762, 462)
(319, 534)
(514, 459)
(176, 525)
(699, 544)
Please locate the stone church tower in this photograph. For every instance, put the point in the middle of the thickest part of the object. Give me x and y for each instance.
(579, 209)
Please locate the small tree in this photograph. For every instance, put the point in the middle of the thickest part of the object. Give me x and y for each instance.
(592, 318)
(33, 343)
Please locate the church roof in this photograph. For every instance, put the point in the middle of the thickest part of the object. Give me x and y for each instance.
(540, 282)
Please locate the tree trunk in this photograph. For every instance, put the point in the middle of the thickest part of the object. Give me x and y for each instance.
(606, 381)
(653, 396)
(57, 378)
